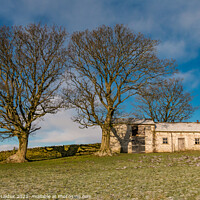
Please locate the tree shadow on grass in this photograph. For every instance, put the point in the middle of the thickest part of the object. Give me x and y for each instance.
(54, 152)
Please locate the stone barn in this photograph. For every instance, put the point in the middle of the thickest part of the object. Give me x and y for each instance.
(146, 136)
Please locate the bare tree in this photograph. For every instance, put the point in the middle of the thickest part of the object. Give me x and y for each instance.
(108, 66)
(32, 59)
(164, 102)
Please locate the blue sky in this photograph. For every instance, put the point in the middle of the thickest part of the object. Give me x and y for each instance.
(176, 23)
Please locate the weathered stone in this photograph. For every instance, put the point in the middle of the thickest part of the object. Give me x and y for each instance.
(154, 137)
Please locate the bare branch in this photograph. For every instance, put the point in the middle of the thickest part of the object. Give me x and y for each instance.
(164, 102)
(108, 66)
(32, 60)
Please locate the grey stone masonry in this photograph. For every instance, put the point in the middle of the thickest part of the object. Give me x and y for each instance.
(133, 135)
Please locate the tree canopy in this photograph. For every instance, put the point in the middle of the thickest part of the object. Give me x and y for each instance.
(32, 59)
(109, 65)
(164, 102)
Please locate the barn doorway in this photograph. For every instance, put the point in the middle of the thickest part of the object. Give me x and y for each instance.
(138, 141)
(181, 144)
(138, 144)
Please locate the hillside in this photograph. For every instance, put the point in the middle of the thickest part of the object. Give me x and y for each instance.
(154, 176)
(51, 152)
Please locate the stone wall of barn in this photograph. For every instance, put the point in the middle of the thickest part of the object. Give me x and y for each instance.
(159, 146)
(121, 139)
(149, 138)
(174, 141)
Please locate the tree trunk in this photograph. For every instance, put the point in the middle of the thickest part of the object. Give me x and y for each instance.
(20, 156)
(105, 143)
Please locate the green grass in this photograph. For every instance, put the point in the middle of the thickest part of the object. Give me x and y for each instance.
(124, 176)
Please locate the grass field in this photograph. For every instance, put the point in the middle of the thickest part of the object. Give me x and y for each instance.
(124, 176)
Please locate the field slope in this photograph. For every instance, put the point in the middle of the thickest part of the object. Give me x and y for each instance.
(124, 176)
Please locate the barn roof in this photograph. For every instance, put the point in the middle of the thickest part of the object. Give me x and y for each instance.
(178, 127)
(162, 127)
(133, 121)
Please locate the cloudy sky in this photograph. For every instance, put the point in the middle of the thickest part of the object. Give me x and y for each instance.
(176, 23)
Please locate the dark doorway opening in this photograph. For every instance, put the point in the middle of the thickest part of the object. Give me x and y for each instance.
(134, 130)
(138, 141)
(138, 144)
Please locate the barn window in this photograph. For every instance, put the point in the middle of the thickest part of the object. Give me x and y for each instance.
(197, 141)
(165, 140)
(134, 130)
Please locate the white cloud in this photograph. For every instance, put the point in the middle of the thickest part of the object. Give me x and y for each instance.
(60, 129)
(74, 15)
(6, 147)
(188, 19)
(170, 49)
(175, 24)
(176, 50)
(190, 78)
